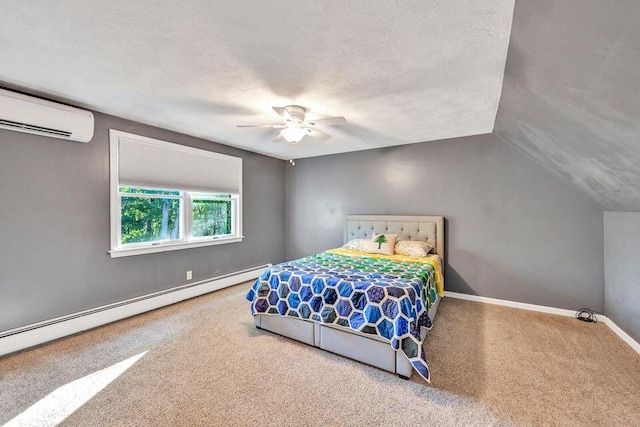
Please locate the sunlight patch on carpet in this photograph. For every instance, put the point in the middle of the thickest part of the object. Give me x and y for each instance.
(65, 400)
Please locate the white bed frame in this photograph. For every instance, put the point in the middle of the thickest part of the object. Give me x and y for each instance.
(369, 349)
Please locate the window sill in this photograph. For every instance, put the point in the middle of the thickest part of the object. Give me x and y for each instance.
(118, 253)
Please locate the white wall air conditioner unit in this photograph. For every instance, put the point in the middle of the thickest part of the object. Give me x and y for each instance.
(27, 114)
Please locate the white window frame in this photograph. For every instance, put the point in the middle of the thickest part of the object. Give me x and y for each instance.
(186, 206)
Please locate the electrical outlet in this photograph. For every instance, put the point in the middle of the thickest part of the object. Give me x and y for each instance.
(189, 275)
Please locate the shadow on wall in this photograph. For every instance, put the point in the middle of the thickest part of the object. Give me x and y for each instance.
(452, 278)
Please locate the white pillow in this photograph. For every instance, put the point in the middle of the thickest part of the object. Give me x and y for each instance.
(413, 248)
(361, 245)
(382, 243)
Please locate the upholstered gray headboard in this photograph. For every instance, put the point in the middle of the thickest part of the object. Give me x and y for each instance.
(423, 228)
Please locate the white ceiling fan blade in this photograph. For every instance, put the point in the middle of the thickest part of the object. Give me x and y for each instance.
(317, 134)
(282, 112)
(278, 138)
(328, 121)
(276, 126)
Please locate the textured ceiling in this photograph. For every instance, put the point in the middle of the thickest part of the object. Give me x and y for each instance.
(571, 95)
(399, 71)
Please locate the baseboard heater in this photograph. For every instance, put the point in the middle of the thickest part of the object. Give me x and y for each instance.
(35, 334)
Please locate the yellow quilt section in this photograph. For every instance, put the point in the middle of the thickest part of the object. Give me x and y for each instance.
(434, 260)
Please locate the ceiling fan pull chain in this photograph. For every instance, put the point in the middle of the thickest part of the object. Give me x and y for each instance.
(292, 160)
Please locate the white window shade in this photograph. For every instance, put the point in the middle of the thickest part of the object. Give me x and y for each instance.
(159, 164)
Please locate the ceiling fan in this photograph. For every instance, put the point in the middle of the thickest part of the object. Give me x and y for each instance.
(295, 127)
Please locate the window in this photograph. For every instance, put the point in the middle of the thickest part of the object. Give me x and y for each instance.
(159, 201)
(149, 216)
(211, 215)
(153, 216)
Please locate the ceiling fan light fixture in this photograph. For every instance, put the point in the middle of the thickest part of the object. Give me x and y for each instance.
(293, 133)
(295, 127)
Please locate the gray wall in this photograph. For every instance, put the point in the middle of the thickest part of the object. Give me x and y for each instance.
(54, 226)
(622, 270)
(513, 230)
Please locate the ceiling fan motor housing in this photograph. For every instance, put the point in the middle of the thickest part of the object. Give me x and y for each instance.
(296, 112)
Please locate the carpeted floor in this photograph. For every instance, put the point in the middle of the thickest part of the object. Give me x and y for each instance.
(206, 364)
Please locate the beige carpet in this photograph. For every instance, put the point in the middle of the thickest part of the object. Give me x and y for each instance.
(207, 365)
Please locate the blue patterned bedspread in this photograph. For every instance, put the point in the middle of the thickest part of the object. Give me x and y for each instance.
(374, 296)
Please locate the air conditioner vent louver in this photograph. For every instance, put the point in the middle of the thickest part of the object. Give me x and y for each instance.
(39, 129)
(28, 114)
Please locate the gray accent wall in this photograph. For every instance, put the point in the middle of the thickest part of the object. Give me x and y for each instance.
(54, 226)
(513, 231)
(622, 270)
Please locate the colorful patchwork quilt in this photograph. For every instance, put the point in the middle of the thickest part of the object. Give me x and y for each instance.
(382, 295)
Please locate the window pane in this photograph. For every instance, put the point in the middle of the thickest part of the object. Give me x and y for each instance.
(211, 217)
(146, 219)
(135, 190)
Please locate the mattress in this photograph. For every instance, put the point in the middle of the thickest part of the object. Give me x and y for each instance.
(388, 298)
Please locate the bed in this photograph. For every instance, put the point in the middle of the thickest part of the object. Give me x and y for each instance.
(376, 309)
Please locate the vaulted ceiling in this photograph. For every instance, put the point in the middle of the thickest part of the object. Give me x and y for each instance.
(399, 71)
(571, 95)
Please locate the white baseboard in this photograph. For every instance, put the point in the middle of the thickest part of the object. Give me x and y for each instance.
(544, 309)
(622, 334)
(25, 337)
(507, 303)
